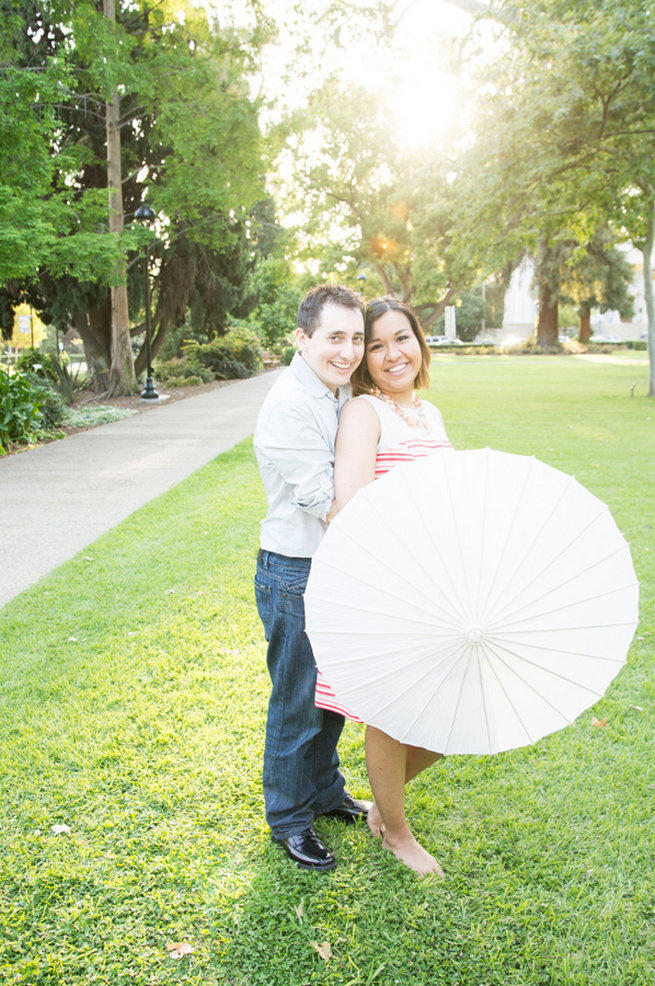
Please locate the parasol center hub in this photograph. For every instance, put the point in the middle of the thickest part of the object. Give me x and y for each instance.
(475, 635)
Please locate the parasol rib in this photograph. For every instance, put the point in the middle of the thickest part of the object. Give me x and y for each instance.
(566, 547)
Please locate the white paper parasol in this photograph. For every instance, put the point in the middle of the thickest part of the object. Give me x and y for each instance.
(471, 602)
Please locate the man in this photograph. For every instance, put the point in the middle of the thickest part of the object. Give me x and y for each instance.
(294, 444)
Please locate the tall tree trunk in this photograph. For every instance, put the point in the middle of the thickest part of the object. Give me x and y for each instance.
(428, 319)
(647, 252)
(585, 325)
(95, 350)
(547, 324)
(122, 379)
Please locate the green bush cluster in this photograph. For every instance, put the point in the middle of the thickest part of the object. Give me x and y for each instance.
(234, 356)
(21, 401)
(41, 365)
(181, 372)
(53, 407)
(56, 375)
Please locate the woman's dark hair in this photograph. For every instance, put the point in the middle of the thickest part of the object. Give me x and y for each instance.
(361, 381)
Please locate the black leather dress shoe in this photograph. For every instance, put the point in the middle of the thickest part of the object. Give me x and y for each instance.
(348, 811)
(307, 850)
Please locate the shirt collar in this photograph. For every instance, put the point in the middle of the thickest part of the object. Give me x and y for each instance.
(313, 384)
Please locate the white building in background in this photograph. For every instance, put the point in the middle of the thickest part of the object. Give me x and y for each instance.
(521, 305)
(522, 308)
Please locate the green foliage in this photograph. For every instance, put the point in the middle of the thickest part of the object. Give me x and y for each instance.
(39, 364)
(235, 355)
(190, 137)
(275, 314)
(469, 313)
(54, 372)
(180, 371)
(44, 221)
(52, 405)
(392, 205)
(88, 417)
(69, 383)
(20, 414)
(564, 143)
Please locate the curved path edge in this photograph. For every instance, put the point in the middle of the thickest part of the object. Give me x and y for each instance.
(58, 498)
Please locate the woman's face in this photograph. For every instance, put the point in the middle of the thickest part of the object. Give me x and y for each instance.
(393, 355)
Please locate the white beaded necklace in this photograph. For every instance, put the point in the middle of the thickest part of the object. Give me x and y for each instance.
(418, 420)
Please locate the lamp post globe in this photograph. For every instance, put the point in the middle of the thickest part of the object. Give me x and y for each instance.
(361, 280)
(145, 214)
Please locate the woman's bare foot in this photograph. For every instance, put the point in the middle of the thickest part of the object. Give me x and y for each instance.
(374, 820)
(412, 854)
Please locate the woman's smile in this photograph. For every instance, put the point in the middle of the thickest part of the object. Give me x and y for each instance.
(393, 355)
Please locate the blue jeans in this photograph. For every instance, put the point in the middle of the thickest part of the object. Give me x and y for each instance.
(301, 765)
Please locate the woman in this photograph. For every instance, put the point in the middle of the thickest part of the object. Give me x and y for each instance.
(386, 424)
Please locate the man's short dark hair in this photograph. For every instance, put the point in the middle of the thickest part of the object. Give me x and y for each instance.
(309, 312)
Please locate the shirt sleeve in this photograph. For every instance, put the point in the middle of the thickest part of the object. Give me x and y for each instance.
(296, 445)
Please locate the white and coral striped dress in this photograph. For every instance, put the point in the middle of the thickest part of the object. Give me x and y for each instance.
(399, 442)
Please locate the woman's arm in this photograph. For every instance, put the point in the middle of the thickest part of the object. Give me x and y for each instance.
(355, 450)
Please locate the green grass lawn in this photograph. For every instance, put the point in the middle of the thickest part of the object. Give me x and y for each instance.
(132, 702)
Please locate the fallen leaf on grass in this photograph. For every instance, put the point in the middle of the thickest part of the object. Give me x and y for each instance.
(323, 950)
(637, 708)
(300, 911)
(599, 723)
(178, 949)
(60, 829)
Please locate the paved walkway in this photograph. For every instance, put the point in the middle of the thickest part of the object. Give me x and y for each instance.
(58, 498)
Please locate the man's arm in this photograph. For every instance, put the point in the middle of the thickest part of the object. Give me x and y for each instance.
(293, 442)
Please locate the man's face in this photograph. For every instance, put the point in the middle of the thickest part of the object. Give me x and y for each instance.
(336, 346)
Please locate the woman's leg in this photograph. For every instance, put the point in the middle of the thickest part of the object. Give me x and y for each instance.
(418, 759)
(389, 766)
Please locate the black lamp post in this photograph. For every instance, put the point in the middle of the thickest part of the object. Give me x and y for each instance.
(361, 278)
(149, 393)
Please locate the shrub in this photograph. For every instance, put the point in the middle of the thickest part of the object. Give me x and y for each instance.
(37, 364)
(288, 354)
(55, 373)
(234, 356)
(245, 347)
(180, 372)
(20, 415)
(52, 406)
(68, 383)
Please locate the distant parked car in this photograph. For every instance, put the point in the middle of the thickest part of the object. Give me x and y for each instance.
(442, 341)
(605, 337)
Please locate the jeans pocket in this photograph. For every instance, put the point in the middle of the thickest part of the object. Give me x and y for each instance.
(264, 600)
(294, 585)
(292, 596)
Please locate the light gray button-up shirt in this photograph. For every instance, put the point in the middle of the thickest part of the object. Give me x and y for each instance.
(294, 445)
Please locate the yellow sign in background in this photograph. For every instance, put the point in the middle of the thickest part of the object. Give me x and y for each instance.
(29, 330)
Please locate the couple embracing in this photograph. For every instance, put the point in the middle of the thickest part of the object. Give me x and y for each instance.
(343, 413)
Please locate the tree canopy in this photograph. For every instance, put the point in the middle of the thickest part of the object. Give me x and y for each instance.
(190, 146)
